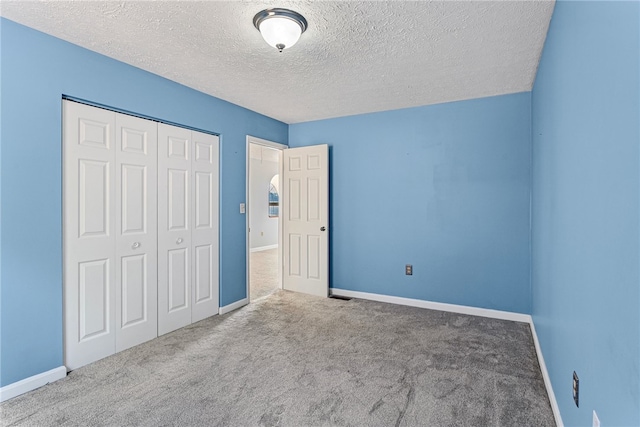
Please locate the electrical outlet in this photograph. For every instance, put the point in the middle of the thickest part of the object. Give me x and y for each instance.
(596, 420)
(408, 270)
(576, 389)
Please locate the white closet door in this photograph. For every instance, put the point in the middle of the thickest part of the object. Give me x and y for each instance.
(174, 228)
(136, 231)
(89, 234)
(204, 234)
(140, 230)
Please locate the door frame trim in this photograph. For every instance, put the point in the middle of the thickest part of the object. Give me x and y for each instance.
(277, 146)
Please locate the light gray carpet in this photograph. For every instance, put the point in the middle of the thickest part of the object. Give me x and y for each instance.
(296, 360)
(264, 273)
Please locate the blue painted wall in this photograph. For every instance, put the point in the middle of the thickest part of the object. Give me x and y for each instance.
(585, 210)
(36, 70)
(443, 187)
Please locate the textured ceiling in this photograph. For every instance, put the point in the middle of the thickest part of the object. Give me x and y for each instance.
(355, 57)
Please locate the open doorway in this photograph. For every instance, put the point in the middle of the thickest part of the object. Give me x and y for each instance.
(264, 159)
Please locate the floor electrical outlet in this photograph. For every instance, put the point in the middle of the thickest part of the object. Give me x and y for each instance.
(576, 389)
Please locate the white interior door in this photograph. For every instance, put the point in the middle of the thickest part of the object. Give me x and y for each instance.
(136, 231)
(204, 233)
(305, 211)
(89, 234)
(174, 228)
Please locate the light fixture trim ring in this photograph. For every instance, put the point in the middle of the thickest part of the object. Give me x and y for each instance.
(280, 13)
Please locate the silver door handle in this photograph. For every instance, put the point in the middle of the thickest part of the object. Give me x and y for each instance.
(136, 245)
(179, 240)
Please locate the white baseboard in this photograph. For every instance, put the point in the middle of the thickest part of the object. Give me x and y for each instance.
(234, 306)
(474, 311)
(28, 384)
(545, 376)
(454, 308)
(264, 248)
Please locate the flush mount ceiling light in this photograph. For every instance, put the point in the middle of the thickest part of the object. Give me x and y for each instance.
(280, 28)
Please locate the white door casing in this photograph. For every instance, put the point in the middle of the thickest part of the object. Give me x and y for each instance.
(136, 231)
(305, 213)
(252, 140)
(89, 267)
(174, 228)
(204, 232)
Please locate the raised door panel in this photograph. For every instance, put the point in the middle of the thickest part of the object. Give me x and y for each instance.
(314, 205)
(205, 265)
(203, 290)
(174, 227)
(93, 197)
(93, 300)
(94, 133)
(204, 201)
(88, 233)
(178, 199)
(135, 207)
(295, 255)
(136, 227)
(314, 264)
(294, 200)
(178, 279)
(135, 289)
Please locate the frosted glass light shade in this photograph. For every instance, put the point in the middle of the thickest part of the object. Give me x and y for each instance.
(280, 28)
(281, 33)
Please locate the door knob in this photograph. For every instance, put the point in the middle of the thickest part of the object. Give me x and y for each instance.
(323, 228)
(136, 245)
(179, 240)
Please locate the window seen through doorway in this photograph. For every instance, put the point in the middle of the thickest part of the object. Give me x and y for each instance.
(274, 198)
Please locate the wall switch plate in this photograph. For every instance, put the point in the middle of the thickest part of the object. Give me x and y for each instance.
(408, 270)
(576, 389)
(243, 208)
(596, 420)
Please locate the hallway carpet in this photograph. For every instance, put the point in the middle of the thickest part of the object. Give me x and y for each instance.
(296, 360)
(264, 273)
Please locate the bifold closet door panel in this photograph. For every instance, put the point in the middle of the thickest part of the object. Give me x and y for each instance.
(136, 231)
(89, 266)
(174, 228)
(204, 233)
